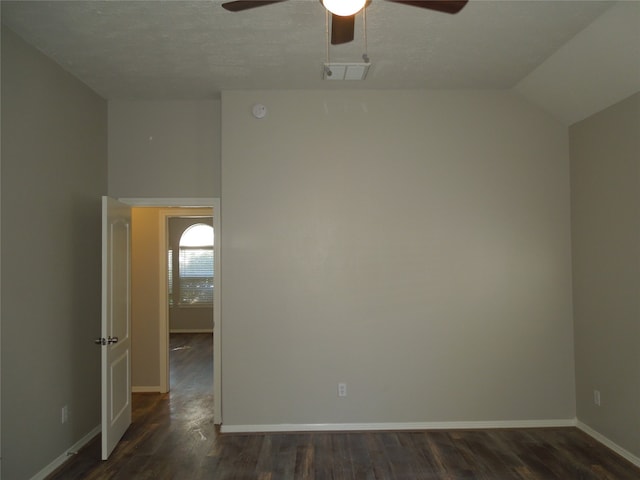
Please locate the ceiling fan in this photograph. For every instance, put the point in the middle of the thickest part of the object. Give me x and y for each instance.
(343, 12)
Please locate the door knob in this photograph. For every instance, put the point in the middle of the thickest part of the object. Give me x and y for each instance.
(105, 341)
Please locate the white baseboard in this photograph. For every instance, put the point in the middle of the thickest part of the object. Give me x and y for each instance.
(49, 469)
(191, 330)
(608, 443)
(355, 427)
(152, 389)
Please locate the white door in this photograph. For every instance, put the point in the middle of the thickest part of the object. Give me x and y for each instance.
(116, 323)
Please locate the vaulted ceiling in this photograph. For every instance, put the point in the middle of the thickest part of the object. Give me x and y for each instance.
(195, 49)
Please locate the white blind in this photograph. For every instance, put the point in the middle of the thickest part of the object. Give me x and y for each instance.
(196, 275)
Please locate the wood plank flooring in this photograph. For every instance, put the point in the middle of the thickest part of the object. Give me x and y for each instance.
(173, 437)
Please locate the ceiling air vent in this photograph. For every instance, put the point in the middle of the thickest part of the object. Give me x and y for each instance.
(345, 71)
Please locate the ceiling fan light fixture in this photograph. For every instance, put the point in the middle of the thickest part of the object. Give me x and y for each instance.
(344, 8)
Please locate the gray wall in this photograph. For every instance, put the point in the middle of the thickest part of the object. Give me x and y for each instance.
(164, 149)
(54, 169)
(605, 197)
(414, 244)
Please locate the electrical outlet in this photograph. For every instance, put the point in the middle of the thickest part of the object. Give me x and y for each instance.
(596, 397)
(342, 389)
(64, 414)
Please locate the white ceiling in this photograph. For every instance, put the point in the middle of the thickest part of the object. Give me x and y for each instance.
(194, 49)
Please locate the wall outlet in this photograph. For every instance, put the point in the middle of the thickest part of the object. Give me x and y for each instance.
(342, 389)
(596, 397)
(64, 414)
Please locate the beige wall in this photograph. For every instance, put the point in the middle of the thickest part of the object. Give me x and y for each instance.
(191, 319)
(145, 301)
(54, 169)
(415, 245)
(164, 148)
(605, 186)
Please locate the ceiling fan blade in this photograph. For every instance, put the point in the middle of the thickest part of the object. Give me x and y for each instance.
(446, 6)
(241, 5)
(342, 29)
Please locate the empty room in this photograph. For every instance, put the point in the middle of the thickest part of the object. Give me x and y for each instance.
(426, 227)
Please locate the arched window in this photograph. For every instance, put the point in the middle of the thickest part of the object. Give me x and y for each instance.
(195, 266)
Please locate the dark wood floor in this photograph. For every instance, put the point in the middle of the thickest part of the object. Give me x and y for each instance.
(173, 437)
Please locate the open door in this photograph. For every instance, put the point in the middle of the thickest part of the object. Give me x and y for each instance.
(116, 323)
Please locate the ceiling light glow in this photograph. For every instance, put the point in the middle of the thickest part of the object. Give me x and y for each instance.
(344, 8)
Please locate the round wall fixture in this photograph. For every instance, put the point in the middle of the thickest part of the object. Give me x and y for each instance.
(259, 110)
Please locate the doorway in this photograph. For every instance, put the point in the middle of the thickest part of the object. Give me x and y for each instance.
(153, 329)
(190, 267)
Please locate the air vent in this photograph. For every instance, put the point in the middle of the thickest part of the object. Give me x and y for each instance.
(345, 71)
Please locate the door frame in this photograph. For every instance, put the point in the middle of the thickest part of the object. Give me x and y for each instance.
(168, 207)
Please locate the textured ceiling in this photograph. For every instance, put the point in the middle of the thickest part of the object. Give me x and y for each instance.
(195, 49)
